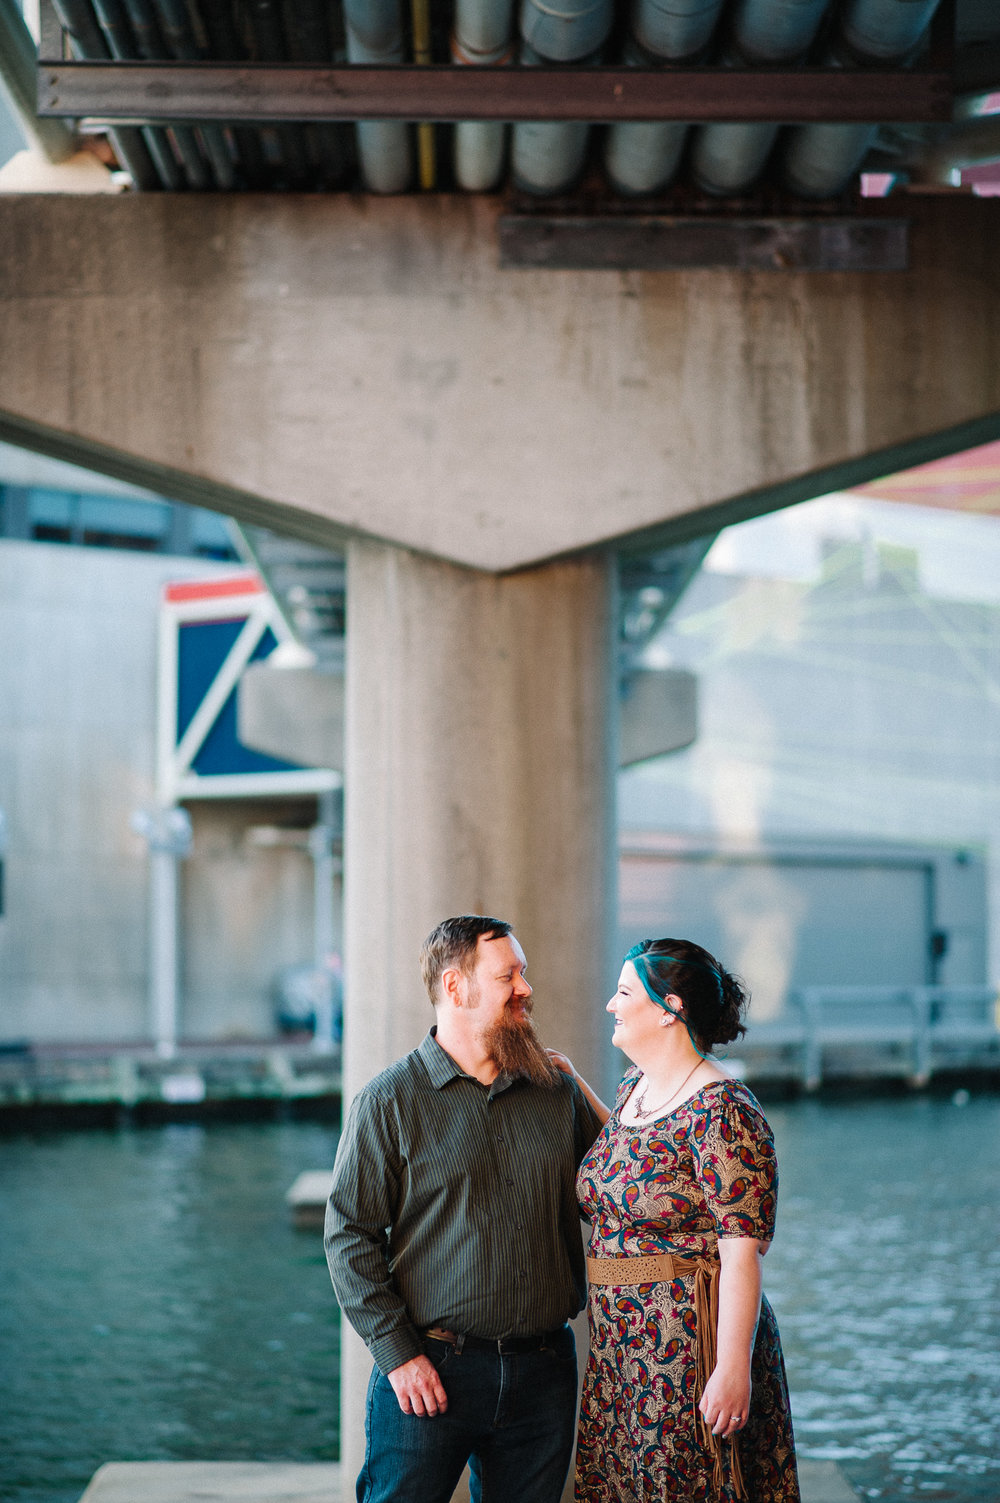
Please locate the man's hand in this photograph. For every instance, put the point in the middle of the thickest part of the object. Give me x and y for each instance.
(418, 1387)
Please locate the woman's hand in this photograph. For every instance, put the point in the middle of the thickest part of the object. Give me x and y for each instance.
(565, 1064)
(726, 1400)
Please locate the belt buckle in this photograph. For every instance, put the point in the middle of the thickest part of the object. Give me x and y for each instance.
(450, 1338)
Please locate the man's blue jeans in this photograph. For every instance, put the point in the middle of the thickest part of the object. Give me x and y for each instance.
(512, 1417)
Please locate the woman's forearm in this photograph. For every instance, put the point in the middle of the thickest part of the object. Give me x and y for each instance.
(725, 1402)
(739, 1300)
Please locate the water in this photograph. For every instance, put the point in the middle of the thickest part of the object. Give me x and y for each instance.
(885, 1277)
(158, 1303)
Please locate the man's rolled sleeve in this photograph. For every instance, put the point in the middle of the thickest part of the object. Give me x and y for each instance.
(361, 1208)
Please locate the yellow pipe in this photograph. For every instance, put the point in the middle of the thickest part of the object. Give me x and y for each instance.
(421, 15)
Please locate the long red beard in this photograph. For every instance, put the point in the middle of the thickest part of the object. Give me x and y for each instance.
(514, 1048)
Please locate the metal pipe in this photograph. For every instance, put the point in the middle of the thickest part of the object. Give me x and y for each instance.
(307, 29)
(776, 31)
(820, 160)
(729, 157)
(565, 31)
(885, 30)
(641, 157)
(375, 35)
(149, 43)
(224, 42)
(420, 18)
(547, 156)
(19, 80)
(675, 30)
(173, 19)
(268, 35)
(138, 151)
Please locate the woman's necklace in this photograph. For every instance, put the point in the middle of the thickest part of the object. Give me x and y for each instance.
(641, 1110)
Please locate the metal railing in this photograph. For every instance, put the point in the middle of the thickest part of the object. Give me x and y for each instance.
(908, 1029)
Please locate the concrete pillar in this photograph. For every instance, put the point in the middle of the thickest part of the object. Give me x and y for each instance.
(479, 777)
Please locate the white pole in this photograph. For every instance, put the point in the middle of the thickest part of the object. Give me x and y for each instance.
(324, 872)
(163, 949)
(167, 832)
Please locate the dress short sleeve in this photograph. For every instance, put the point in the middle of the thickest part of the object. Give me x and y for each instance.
(734, 1162)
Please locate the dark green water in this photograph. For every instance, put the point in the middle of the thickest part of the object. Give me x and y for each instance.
(157, 1303)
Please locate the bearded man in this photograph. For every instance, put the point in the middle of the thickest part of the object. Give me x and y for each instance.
(453, 1238)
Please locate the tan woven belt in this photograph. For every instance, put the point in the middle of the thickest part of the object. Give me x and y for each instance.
(661, 1268)
(646, 1268)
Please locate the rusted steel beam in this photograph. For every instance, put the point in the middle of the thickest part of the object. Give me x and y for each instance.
(651, 242)
(153, 93)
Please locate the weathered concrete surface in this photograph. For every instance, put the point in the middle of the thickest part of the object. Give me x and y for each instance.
(366, 365)
(317, 1482)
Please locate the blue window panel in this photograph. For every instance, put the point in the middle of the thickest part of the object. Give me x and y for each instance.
(115, 514)
(202, 648)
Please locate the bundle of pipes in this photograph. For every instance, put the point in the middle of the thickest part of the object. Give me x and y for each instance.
(642, 158)
(548, 156)
(211, 156)
(820, 160)
(814, 161)
(728, 158)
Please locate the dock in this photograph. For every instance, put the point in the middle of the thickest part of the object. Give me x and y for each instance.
(314, 1482)
(104, 1082)
(307, 1198)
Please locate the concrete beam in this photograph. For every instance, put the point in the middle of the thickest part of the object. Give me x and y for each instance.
(298, 714)
(340, 366)
(293, 713)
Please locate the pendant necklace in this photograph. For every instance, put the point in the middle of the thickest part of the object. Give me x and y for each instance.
(640, 1108)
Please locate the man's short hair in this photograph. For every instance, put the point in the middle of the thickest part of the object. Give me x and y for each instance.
(454, 943)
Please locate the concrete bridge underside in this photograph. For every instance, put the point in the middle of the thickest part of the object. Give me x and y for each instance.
(363, 374)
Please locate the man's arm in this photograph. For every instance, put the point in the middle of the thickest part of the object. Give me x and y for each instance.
(361, 1208)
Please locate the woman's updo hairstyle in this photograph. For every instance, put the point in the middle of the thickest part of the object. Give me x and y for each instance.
(714, 1001)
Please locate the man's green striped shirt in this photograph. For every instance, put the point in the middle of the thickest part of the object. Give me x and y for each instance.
(454, 1204)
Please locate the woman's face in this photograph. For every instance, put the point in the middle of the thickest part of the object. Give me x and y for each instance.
(638, 1020)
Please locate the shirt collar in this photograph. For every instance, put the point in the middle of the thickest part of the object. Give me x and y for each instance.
(442, 1068)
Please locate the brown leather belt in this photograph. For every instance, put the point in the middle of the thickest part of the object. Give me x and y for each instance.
(647, 1268)
(662, 1268)
(503, 1345)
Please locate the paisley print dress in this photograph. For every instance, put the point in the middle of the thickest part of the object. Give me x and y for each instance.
(703, 1171)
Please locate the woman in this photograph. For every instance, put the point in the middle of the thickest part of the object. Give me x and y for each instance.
(684, 1397)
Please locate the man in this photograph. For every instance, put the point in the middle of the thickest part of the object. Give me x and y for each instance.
(453, 1238)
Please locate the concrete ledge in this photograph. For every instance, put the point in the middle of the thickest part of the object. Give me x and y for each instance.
(319, 1482)
(214, 1482)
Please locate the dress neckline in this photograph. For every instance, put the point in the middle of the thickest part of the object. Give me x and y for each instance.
(727, 1080)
